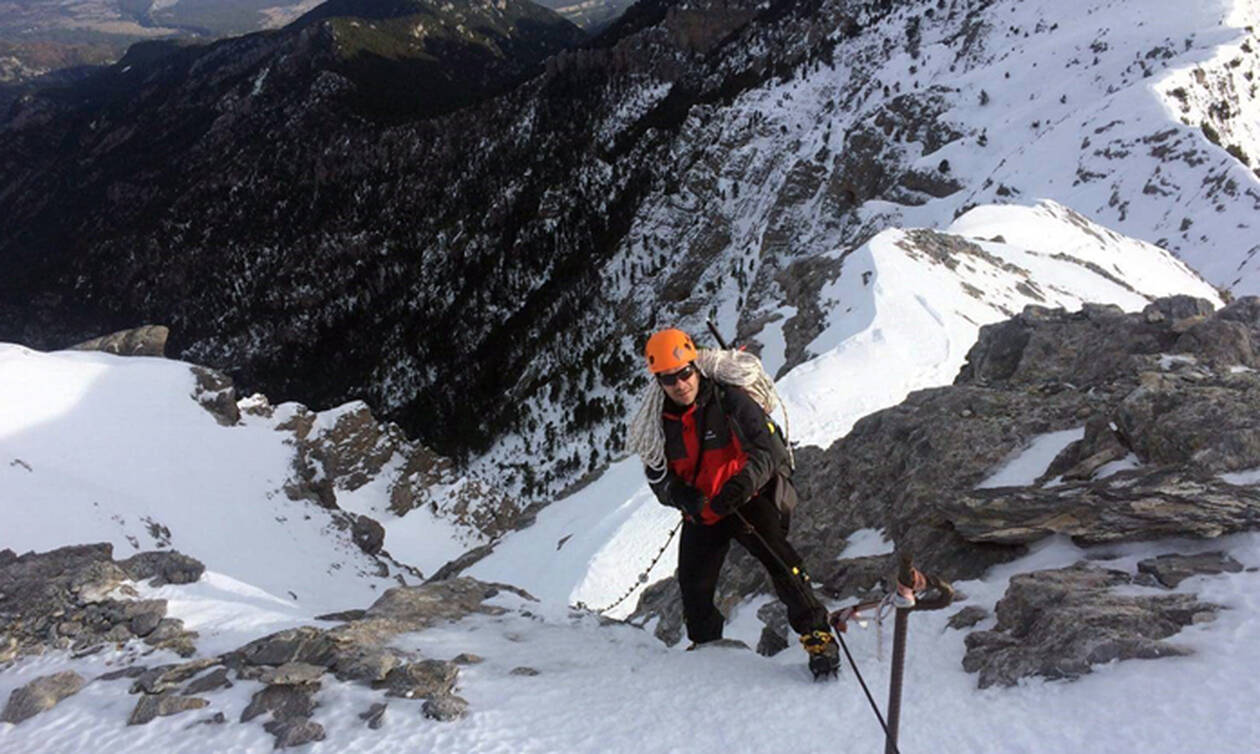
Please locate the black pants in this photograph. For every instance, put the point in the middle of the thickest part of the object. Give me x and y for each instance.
(702, 550)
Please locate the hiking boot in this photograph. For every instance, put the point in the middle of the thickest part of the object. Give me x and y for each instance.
(824, 654)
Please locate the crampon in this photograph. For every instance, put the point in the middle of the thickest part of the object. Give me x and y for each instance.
(824, 655)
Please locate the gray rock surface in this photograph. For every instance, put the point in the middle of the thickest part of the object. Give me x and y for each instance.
(424, 679)
(294, 732)
(216, 394)
(1057, 623)
(375, 715)
(41, 694)
(1169, 390)
(1129, 506)
(149, 340)
(444, 708)
(212, 681)
(69, 598)
(283, 701)
(1170, 570)
(166, 677)
(162, 567)
(151, 706)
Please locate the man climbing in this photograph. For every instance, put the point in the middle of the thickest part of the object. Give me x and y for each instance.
(713, 453)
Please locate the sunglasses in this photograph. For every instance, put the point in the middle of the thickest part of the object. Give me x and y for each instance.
(669, 380)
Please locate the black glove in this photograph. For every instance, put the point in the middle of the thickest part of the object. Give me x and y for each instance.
(737, 491)
(685, 498)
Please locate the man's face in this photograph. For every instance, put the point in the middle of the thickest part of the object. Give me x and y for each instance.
(681, 385)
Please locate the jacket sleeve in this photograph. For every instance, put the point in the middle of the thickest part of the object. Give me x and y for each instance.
(753, 431)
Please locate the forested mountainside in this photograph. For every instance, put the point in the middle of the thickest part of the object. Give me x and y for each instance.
(484, 276)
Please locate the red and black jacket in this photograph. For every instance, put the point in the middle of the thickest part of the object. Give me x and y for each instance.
(724, 438)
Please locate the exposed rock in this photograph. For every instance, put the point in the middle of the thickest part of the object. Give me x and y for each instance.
(444, 708)
(167, 677)
(66, 599)
(305, 644)
(367, 663)
(41, 694)
(967, 617)
(424, 679)
(215, 679)
(294, 731)
(375, 715)
(217, 718)
(342, 616)
(131, 671)
(216, 394)
(467, 658)
(456, 566)
(151, 706)
(859, 576)
(1133, 505)
(1199, 419)
(145, 616)
(163, 567)
(368, 534)
(1170, 570)
(292, 673)
(523, 670)
(773, 638)
(149, 340)
(1058, 623)
(284, 702)
(425, 605)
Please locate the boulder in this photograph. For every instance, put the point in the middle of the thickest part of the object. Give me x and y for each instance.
(375, 715)
(215, 393)
(284, 702)
(1170, 570)
(41, 694)
(215, 679)
(1141, 504)
(292, 673)
(166, 677)
(148, 340)
(71, 598)
(151, 706)
(163, 567)
(294, 732)
(421, 680)
(1057, 623)
(444, 708)
(306, 644)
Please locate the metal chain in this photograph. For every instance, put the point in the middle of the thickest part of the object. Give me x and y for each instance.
(643, 577)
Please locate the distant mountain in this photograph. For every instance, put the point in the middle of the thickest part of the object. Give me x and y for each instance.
(592, 15)
(483, 271)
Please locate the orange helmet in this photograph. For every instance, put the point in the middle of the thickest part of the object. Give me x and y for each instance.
(669, 349)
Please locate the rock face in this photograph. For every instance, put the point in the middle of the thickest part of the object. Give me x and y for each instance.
(149, 340)
(40, 694)
(1057, 623)
(1166, 402)
(61, 600)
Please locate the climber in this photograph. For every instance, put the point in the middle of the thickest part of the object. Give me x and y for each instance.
(711, 451)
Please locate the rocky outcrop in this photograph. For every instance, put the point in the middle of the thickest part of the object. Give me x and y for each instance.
(149, 340)
(1057, 623)
(41, 694)
(1165, 402)
(75, 598)
(1172, 569)
(1128, 506)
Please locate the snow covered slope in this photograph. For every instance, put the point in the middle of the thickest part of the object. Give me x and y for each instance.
(910, 304)
(102, 448)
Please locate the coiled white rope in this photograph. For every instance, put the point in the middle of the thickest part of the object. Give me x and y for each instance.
(730, 367)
